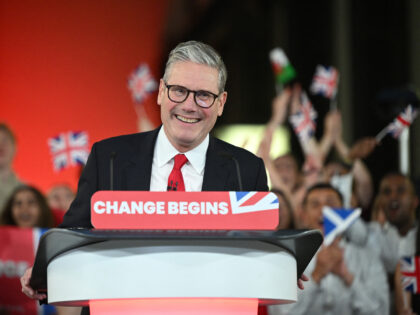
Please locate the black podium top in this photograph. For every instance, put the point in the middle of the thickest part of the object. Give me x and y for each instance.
(302, 244)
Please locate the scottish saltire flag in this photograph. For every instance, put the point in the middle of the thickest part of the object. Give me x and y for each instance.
(336, 221)
(141, 83)
(283, 70)
(410, 273)
(303, 121)
(69, 149)
(325, 81)
(404, 120)
(244, 202)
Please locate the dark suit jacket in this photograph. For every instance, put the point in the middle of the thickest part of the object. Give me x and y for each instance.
(133, 166)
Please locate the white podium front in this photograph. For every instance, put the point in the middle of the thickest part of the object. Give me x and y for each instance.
(246, 268)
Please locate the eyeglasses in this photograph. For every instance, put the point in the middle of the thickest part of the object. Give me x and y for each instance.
(178, 94)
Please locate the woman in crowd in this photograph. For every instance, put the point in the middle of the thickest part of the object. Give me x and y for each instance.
(27, 208)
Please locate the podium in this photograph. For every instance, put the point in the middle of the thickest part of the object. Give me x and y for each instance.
(168, 271)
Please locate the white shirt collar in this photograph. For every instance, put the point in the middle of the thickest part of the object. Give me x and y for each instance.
(165, 151)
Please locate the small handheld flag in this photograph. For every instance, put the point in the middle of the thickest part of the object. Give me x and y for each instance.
(303, 121)
(336, 221)
(141, 83)
(69, 148)
(396, 127)
(283, 70)
(325, 81)
(410, 273)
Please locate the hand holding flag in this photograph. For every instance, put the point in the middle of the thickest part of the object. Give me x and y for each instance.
(396, 127)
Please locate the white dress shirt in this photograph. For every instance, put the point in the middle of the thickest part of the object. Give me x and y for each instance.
(390, 245)
(367, 295)
(163, 162)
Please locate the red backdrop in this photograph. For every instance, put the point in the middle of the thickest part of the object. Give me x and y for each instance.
(64, 66)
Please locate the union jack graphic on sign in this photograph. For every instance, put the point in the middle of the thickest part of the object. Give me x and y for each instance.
(325, 81)
(410, 277)
(303, 121)
(69, 148)
(244, 202)
(403, 121)
(141, 83)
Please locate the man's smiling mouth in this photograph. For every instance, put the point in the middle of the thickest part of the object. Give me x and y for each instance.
(187, 120)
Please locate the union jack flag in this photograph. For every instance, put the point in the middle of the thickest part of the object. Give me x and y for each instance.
(410, 273)
(325, 81)
(69, 148)
(252, 201)
(403, 121)
(336, 221)
(141, 83)
(303, 121)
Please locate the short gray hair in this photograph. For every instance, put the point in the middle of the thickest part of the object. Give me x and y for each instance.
(200, 53)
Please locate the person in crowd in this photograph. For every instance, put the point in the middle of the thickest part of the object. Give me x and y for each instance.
(27, 208)
(191, 97)
(59, 199)
(395, 237)
(284, 171)
(350, 159)
(286, 218)
(8, 179)
(344, 278)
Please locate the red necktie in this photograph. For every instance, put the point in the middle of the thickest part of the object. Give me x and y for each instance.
(175, 180)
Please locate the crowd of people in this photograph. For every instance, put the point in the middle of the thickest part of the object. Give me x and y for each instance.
(359, 273)
(25, 206)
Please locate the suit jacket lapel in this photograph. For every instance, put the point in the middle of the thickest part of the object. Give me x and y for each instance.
(217, 170)
(138, 170)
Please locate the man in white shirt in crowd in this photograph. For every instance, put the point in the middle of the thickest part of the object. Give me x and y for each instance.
(344, 278)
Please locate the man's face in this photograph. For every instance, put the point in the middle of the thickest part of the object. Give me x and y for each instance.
(60, 197)
(287, 169)
(186, 124)
(7, 150)
(398, 200)
(316, 200)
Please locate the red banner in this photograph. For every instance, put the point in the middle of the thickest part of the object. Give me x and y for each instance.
(17, 248)
(221, 210)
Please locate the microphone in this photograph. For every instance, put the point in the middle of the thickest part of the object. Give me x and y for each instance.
(235, 161)
(111, 170)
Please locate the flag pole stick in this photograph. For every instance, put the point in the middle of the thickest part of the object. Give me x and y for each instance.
(279, 88)
(381, 134)
(333, 103)
(404, 151)
(404, 296)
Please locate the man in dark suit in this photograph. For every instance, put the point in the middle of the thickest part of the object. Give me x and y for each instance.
(191, 96)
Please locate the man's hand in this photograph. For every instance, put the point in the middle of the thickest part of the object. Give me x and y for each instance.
(326, 260)
(300, 281)
(279, 107)
(341, 270)
(24, 281)
(362, 148)
(333, 125)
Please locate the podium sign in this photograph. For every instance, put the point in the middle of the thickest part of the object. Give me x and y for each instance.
(184, 210)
